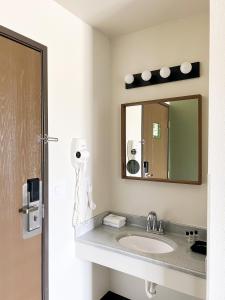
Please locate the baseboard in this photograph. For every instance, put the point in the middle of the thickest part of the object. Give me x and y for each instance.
(113, 296)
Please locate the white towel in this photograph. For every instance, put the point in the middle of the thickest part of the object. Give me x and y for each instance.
(114, 220)
(114, 225)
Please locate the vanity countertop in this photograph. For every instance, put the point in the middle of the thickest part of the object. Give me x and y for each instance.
(181, 259)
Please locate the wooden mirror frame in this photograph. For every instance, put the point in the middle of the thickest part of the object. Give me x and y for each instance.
(123, 139)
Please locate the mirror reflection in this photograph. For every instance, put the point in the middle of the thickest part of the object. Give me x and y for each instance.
(162, 140)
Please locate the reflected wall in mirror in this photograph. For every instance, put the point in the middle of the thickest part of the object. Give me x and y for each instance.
(161, 140)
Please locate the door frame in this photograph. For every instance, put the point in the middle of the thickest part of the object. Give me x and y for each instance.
(7, 33)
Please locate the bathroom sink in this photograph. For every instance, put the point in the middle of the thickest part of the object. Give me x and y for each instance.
(145, 244)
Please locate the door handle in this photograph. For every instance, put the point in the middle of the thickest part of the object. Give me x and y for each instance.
(28, 209)
(31, 209)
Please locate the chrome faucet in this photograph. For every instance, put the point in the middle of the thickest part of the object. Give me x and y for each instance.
(151, 221)
(153, 225)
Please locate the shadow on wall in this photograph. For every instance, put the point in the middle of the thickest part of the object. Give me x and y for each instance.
(134, 288)
(101, 154)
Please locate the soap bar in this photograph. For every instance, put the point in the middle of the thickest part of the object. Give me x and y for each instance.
(199, 247)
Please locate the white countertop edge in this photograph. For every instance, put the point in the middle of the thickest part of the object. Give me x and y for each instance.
(147, 270)
(149, 259)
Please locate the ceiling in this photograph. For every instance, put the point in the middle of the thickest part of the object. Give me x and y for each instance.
(116, 17)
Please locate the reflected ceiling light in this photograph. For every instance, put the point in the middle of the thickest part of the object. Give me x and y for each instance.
(165, 72)
(146, 75)
(186, 67)
(129, 78)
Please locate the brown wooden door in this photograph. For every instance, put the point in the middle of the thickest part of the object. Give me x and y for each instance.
(155, 150)
(20, 159)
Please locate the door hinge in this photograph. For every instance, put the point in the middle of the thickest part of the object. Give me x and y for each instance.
(47, 139)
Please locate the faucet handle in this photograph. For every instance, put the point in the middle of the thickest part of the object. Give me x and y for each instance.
(161, 227)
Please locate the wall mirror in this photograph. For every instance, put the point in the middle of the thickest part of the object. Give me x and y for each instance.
(161, 140)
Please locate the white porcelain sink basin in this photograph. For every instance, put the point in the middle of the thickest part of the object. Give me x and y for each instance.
(145, 244)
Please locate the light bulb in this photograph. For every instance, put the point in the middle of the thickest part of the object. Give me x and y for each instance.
(146, 75)
(165, 72)
(129, 78)
(186, 67)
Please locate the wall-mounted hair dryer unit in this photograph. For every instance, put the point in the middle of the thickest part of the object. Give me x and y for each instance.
(79, 152)
(83, 188)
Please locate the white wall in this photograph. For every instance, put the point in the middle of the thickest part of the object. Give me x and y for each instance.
(216, 207)
(78, 80)
(79, 97)
(167, 44)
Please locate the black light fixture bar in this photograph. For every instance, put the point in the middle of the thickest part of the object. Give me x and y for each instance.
(175, 75)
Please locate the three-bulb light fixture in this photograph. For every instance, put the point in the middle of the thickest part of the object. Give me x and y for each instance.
(164, 72)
